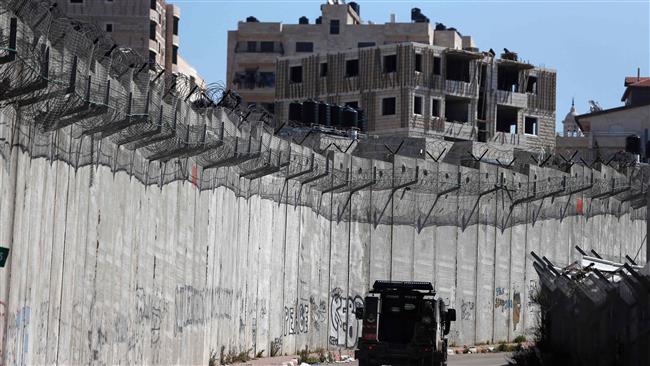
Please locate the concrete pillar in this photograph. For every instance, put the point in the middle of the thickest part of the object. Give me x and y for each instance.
(6, 235)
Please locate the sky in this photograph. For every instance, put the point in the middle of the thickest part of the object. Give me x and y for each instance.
(592, 45)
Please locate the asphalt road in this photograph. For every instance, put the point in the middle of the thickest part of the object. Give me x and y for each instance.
(481, 359)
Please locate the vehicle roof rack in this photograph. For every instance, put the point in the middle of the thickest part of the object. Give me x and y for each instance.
(401, 286)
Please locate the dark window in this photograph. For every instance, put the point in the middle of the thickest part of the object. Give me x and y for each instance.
(267, 47)
(365, 44)
(507, 119)
(458, 69)
(418, 62)
(334, 26)
(508, 79)
(109, 27)
(175, 55)
(436, 65)
(76, 1)
(354, 105)
(435, 108)
(153, 4)
(531, 127)
(251, 46)
(175, 26)
(304, 47)
(390, 63)
(152, 30)
(152, 59)
(457, 110)
(417, 105)
(351, 68)
(323, 69)
(531, 85)
(266, 79)
(296, 74)
(388, 106)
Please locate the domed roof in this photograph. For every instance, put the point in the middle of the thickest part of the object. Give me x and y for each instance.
(570, 117)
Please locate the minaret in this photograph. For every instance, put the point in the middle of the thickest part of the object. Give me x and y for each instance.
(570, 126)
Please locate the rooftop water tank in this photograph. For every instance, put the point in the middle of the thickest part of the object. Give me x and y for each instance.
(295, 112)
(335, 116)
(324, 117)
(309, 112)
(349, 117)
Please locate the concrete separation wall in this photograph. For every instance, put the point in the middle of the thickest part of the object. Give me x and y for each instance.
(105, 268)
(149, 223)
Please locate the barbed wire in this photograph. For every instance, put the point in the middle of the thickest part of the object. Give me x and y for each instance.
(85, 101)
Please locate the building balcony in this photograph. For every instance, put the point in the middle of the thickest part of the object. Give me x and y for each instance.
(512, 99)
(154, 16)
(457, 130)
(254, 80)
(461, 89)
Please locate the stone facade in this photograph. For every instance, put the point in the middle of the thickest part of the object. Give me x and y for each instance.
(254, 47)
(460, 94)
(150, 27)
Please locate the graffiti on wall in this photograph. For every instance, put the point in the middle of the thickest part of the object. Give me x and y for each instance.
(296, 319)
(467, 310)
(501, 300)
(344, 326)
(318, 312)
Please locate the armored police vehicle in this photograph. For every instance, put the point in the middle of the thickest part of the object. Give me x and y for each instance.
(403, 324)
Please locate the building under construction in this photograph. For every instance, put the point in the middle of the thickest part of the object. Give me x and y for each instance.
(416, 90)
(409, 79)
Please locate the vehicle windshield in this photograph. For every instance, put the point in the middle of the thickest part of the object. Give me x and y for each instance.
(400, 316)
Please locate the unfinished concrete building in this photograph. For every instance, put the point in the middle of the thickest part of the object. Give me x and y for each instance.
(420, 90)
(254, 47)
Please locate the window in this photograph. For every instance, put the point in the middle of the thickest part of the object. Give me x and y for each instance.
(388, 106)
(435, 108)
(531, 85)
(175, 26)
(251, 46)
(390, 63)
(267, 47)
(418, 62)
(334, 26)
(152, 59)
(175, 55)
(436, 65)
(417, 105)
(76, 1)
(323, 69)
(304, 47)
(365, 44)
(458, 68)
(508, 79)
(109, 27)
(152, 30)
(295, 75)
(153, 4)
(457, 110)
(507, 119)
(531, 127)
(351, 68)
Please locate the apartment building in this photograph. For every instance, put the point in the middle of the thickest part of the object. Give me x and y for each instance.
(423, 90)
(150, 27)
(255, 46)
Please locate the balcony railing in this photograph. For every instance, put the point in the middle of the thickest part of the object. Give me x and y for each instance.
(254, 79)
(259, 47)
